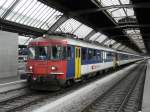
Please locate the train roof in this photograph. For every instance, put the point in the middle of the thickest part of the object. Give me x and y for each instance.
(73, 40)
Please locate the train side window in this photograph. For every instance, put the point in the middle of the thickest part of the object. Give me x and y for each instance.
(94, 55)
(109, 56)
(99, 56)
(90, 54)
(102, 56)
(68, 52)
(83, 53)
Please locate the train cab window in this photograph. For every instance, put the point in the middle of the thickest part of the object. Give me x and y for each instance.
(58, 52)
(83, 53)
(69, 52)
(38, 52)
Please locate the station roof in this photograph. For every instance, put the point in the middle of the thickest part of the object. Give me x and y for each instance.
(113, 23)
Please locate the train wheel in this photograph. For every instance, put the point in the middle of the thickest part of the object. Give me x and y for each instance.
(68, 83)
(84, 78)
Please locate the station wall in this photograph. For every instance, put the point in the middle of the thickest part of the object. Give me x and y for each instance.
(8, 54)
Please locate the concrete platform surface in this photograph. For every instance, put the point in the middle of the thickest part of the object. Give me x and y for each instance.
(146, 95)
(9, 79)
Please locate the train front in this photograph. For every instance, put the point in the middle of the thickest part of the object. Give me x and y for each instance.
(46, 64)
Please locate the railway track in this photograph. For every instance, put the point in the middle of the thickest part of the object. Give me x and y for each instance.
(32, 97)
(124, 96)
(19, 103)
(13, 89)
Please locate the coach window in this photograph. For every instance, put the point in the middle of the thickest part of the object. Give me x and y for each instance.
(109, 56)
(83, 53)
(90, 54)
(69, 52)
(94, 55)
(99, 56)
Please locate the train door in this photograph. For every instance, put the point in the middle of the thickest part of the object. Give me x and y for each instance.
(70, 62)
(77, 62)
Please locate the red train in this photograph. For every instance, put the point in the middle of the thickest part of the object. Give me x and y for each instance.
(57, 59)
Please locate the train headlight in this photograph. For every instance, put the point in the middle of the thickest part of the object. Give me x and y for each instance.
(30, 67)
(53, 68)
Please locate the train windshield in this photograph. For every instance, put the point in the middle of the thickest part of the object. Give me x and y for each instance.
(56, 52)
(38, 52)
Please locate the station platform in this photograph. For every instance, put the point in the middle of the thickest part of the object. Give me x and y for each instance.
(21, 69)
(9, 79)
(146, 94)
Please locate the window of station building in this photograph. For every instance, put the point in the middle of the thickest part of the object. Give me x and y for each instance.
(83, 53)
(68, 52)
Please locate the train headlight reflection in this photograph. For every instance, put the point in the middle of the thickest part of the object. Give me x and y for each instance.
(53, 68)
(30, 67)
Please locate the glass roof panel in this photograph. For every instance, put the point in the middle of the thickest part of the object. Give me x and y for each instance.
(121, 13)
(45, 13)
(37, 18)
(37, 15)
(34, 13)
(75, 27)
(117, 13)
(46, 17)
(51, 19)
(69, 26)
(5, 4)
(130, 11)
(95, 36)
(8, 3)
(116, 45)
(125, 1)
(113, 41)
(23, 14)
(122, 47)
(135, 36)
(101, 38)
(83, 31)
(109, 2)
(2, 2)
(109, 42)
